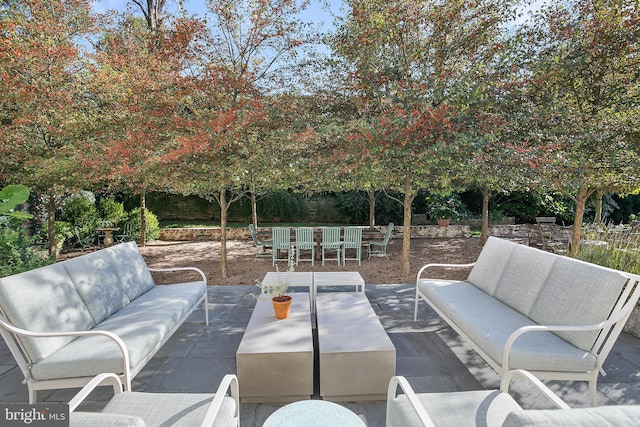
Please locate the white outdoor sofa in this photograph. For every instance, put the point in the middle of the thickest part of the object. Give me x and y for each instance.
(100, 312)
(139, 409)
(523, 308)
(492, 408)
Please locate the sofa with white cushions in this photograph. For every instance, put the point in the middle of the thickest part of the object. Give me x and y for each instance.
(523, 308)
(100, 312)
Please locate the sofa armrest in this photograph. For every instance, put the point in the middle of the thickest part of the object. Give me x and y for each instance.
(616, 317)
(426, 267)
(169, 269)
(119, 342)
(100, 379)
(229, 382)
(399, 381)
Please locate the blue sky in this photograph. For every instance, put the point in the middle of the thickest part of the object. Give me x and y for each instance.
(314, 13)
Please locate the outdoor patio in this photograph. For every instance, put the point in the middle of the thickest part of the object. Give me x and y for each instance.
(429, 354)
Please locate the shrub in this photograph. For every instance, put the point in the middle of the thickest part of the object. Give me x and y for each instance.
(111, 211)
(620, 252)
(17, 252)
(153, 227)
(80, 212)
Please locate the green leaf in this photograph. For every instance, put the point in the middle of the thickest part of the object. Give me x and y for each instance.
(12, 196)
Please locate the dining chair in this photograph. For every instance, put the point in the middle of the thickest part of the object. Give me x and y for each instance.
(330, 242)
(379, 247)
(304, 242)
(352, 240)
(262, 246)
(281, 242)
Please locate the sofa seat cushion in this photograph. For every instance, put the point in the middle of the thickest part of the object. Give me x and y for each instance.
(142, 325)
(469, 408)
(602, 416)
(44, 300)
(489, 323)
(164, 409)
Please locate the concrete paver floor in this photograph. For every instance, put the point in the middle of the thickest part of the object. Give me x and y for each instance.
(429, 354)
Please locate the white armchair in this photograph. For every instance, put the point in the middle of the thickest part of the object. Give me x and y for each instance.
(139, 409)
(490, 408)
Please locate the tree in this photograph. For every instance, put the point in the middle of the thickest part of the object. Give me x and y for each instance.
(141, 87)
(253, 53)
(581, 62)
(409, 61)
(42, 94)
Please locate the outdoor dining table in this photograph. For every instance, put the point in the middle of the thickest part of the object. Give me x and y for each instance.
(108, 239)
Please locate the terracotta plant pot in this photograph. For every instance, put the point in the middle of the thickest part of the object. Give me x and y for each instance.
(444, 222)
(282, 306)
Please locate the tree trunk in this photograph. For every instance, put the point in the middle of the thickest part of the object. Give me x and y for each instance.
(223, 232)
(581, 201)
(51, 225)
(406, 230)
(598, 215)
(143, 218)
(372, 208)
(484, 235)
(254, 209)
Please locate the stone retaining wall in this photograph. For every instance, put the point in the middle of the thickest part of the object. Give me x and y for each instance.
(427, 231)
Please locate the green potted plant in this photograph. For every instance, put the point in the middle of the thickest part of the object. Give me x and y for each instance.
(444, 208)
(279, 294)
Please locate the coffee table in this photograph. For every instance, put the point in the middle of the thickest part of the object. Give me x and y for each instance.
(313, 413)
(357, 358)
(275, 357)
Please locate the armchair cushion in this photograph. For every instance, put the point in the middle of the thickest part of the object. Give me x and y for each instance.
(471, 408)
(603, 416)
(92, 419)
(164, 409)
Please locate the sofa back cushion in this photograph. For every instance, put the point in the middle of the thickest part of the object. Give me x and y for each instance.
(577, 293)
(131, 269)
(523, 277)
(603, 416)
(44, 300)
(96, 280)
(490, 264)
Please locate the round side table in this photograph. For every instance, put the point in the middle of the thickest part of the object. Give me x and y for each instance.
(313, 413)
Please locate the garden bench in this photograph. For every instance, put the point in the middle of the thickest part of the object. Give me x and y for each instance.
(523, 308)
(100, 312)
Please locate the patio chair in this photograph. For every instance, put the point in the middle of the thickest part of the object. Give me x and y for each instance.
(140, 409)
(85, 242)
(127, 233)
(281, 242)
(262, 246)
(352, 240)
(330, 242)
(489, 408)
(379, 247)
(304, 242)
